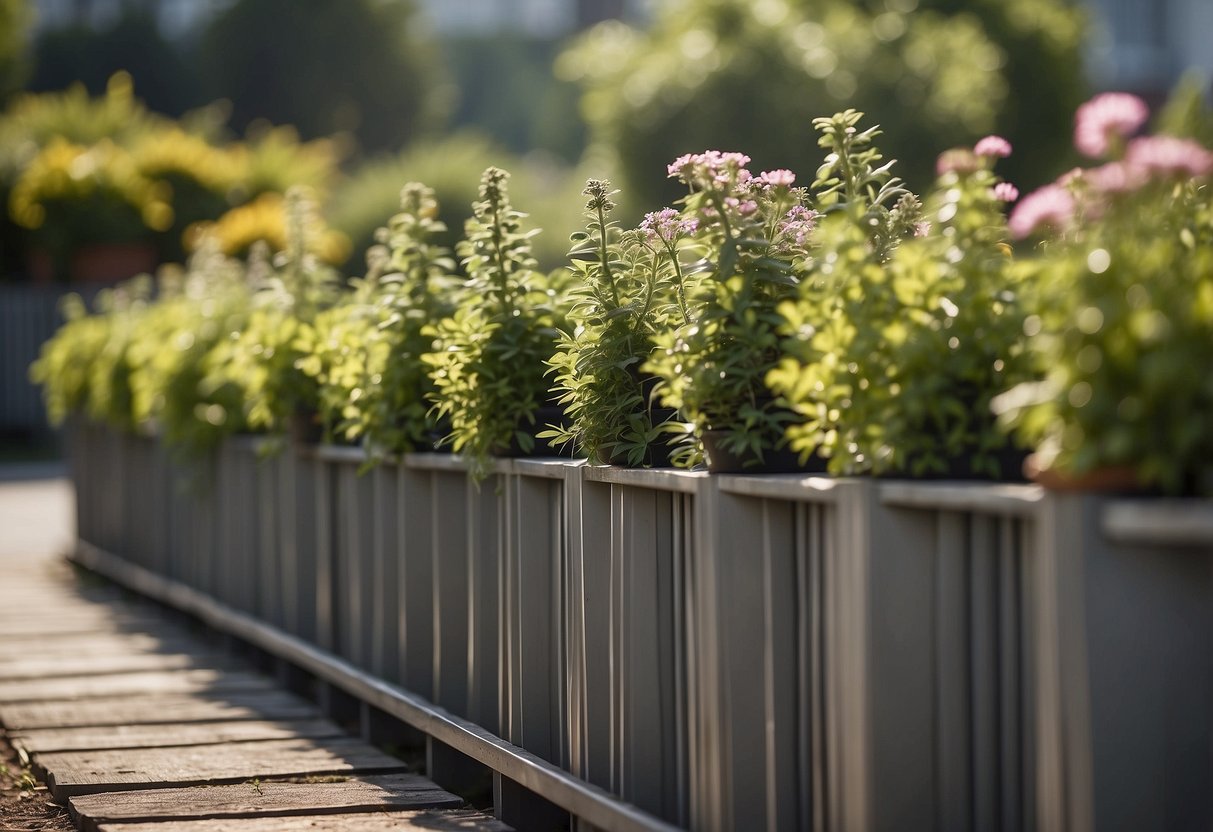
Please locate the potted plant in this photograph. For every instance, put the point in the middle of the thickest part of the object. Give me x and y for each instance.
(750, 237)
(90, 212)
(911, 322)
(489, 357)
(366, 352)
(261, 362)
(194, 311)
(1122, 316)
(627, 290)
(84, 368)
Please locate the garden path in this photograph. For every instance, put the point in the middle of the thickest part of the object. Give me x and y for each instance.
(141, 724)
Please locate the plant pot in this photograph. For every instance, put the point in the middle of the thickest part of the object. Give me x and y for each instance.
(658, 453)
(721, 460)
(1011, 463)
(1111, 479)
(305, 427)
(112, 262)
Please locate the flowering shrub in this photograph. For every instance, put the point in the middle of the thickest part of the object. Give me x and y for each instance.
(1123, 324)
(88, 194)
(79, 171)
(908, 331)
(629, 289)
(748, 236)
(849, 322)
(264, 220)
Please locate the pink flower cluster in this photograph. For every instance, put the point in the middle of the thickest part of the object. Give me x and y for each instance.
(959, 160)
(1167, 157)
(666, 225)
(1112, 114)
(993, 147)
(1051, 206)
(777, 178)
(1005, 192)
(963, 161)
(797, 224)
(711, 168)
(1146, 159)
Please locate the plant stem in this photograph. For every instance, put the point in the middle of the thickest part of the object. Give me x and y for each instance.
(604, 257)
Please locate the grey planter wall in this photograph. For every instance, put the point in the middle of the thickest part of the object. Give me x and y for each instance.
(727, 652)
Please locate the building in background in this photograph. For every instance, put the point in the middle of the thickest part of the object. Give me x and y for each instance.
(1144, 46)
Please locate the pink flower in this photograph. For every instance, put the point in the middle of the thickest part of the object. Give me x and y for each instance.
(710, 169)
(679, 165)
(1051, 206)
(993, 147)
(957, 160)
(1110, 114)
(1167, 157)
(1005, 192)
(797, 224)
(666, 225)
(1114, 178)
(922, 228)
(778, 178)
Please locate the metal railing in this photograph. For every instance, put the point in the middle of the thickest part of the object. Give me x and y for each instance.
(658, 649)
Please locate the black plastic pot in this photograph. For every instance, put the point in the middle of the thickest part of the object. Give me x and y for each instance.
(721, 460)
(1010, 463)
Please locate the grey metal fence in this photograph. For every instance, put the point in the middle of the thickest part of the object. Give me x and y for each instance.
(658, 649)
(28, 316)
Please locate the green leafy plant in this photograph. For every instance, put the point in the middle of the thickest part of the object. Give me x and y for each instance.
(62, 368)
(625, 293)
(489, 357)
(366, 353)
(261, 361)
(194, 312)
(86, 367)
(911, 326)
(1122, 302)
(750, 235)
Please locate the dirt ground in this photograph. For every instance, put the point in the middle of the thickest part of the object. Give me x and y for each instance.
(25, 804)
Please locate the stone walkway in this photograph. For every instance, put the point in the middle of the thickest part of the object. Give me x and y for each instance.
(142, 725)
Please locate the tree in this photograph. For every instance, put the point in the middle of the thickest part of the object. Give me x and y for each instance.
(746, 76)
(166, 80)
(354, 66)
(14, 21)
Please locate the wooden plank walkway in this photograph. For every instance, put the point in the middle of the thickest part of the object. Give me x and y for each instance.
(140, 726)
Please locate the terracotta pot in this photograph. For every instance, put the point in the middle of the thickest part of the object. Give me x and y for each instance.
(112, 262)
(1112, 479)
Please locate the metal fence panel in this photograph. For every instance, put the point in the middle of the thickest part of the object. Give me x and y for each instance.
(725, 652)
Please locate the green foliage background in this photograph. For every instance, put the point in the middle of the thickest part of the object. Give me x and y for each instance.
(14, 20)
(750, 75)
(325, 67)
